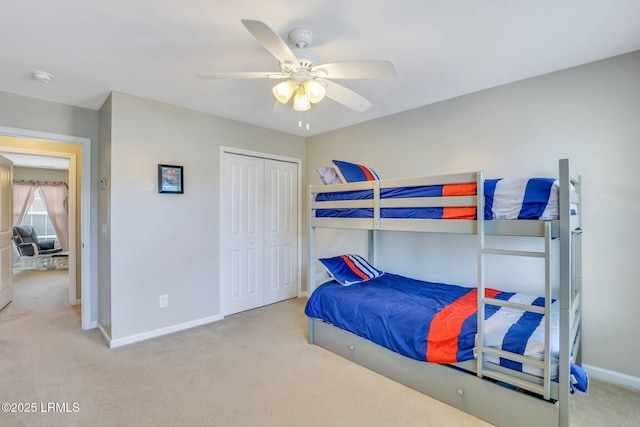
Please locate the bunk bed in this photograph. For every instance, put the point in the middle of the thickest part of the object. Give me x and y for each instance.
(480, 383)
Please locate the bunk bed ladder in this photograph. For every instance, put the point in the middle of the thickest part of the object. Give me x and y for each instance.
(482, 368)
(543, 389)
(569, 233)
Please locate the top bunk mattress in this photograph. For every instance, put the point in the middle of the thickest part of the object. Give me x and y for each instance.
(512, 198)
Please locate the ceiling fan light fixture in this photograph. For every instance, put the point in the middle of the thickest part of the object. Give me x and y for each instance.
(283, 91)
(301, 100)
(314, 90)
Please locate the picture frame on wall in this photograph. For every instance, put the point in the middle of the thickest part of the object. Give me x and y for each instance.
(170, 179)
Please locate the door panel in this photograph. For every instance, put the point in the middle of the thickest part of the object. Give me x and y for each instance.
(6, 231)
(242, 233)
(281, 232)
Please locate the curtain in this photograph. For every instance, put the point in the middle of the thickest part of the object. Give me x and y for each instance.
(22, 198)
(54, 196)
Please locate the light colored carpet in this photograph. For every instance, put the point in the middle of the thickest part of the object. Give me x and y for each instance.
(251, 369)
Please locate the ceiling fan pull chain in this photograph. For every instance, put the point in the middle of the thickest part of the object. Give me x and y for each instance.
(300, 121)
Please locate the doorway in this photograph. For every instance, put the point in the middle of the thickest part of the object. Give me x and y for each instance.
(78, 151)
(40, 196)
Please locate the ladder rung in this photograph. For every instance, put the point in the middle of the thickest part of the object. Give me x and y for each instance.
(515, 305)
(514, 357)
(509, 379)
(514, 253)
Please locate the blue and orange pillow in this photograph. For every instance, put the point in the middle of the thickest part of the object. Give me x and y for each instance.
(352, 172)
(349, 269)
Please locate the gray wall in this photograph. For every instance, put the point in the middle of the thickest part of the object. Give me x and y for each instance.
(588, 114)
(169, 243)
(35, 114)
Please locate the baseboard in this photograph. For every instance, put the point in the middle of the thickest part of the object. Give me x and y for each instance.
(105, 335)
(304, 294)
(163, 331)
(612, 377)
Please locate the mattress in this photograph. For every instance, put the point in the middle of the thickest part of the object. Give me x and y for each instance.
(436, 322)
(515, 198)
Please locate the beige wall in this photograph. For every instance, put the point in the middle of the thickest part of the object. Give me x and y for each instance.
(588, 114)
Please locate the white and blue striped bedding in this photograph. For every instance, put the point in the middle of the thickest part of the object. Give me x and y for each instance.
(521, 198)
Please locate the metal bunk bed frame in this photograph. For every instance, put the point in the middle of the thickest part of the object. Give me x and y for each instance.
(548, 401)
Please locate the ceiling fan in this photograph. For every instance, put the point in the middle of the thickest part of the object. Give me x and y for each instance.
(304, 78)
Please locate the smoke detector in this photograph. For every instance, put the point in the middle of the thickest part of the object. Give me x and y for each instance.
(42, 76)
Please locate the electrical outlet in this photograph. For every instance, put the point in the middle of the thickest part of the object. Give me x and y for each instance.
(164, 301)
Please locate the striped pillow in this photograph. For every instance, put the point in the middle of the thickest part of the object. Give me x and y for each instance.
(352, 172)
(350, 269)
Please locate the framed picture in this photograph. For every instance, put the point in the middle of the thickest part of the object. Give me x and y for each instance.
(170, 179)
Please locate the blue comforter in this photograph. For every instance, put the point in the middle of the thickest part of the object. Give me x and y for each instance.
(433, 322)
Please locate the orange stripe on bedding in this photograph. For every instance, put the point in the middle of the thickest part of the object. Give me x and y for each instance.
(459, 212)
(366, 173)
(466, 189)
(353, 267)
(442, 342)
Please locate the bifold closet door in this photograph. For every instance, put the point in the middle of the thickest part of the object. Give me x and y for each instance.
(242, 221)
(259, 235)
(281, 231)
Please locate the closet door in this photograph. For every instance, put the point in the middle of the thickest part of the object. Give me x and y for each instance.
(242, 233)
(259, 232)
(281, 231)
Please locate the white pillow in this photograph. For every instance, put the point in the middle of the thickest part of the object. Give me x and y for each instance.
(328, 175)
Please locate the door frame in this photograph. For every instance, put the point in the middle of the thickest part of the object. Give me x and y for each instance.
(87, 308)
(250, 153)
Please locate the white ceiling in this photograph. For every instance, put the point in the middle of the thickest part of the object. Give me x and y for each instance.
(442, 49)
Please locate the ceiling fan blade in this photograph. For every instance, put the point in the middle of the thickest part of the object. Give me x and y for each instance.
(270, 40)
(359, 69)
(246, 75)
(346, 97)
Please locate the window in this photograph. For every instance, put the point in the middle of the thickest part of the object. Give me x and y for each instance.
(38, 218)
